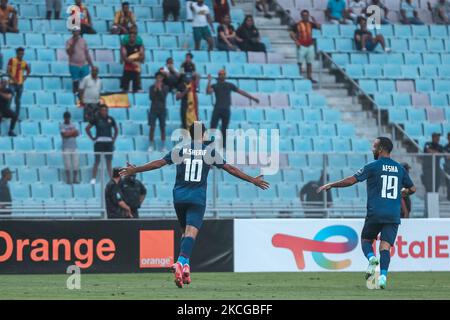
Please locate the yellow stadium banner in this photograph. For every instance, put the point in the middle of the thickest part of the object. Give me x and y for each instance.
(113, 100)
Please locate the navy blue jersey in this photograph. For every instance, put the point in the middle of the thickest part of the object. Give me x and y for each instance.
(385, 179)
(192, 172)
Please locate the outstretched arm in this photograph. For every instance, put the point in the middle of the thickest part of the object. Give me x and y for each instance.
(132, 169)
(347, 182)
(257, 181)
(247, 95)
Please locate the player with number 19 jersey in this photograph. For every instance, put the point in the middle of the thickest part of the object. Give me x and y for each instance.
(385, 180)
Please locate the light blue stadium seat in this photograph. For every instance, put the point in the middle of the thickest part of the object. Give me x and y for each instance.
(54, 160)
(337, 160)
(35, 159)
(293, 115)
(322, 144)
(130, 128)
(83, 191)
(435, 45)
(174, 27)
(164, 192)
(308, 129)
(65, 99)
(34, 40)
(274, 115)
(375, 58)
(344, 45)
(168, 42)
(402, 31)
(331, 115)
(40, 68)
(41, 191)
(438, 99)
(346, 31)
(27, 175)
(442, 86)
(438, 31)
(218, 57)
(248, 85)
(399, 45)
(401, 99)
(28, 128)
(417, 45)
(424, 85)
(268, 86)
(419, 31)
(62, 191)
(409, 72)
(386, 86)
(289, 71)
(369, 86)
(354, 71)
(302, 86)
(237, 57)
(398, 115)
(23, 144)
(24, 25)
(444, 71)
(298, 100)
(19, 191)
(361, 145)
(226, 191)
(213, 68)
(414, 129)
(235, 69)
(59, 68)
(44, 98)
(392, 72)
(33, 84)
(53, 83)
(253, 70)
(413, 58)
(14, 39)
(341, 59)
(345, 129)
(37, 113)
(416, 114)
(143, 12)
(284, 85)
(272, 70)
(302, 144)
(325, 44)
(43, 143)
(287, 191)
(432, 58)
(46, 55)
(124, 144)
(326, 129)
(429, 128)
(112, 41)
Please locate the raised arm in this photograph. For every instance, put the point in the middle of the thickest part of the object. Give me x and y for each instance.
(209, 88)
(347, 182)
(132, 169)
(257, 181)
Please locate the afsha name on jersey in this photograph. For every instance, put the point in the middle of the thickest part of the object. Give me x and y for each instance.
(194, 152)
(390, 168)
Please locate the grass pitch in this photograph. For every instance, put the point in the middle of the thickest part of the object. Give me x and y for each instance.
(342, 285)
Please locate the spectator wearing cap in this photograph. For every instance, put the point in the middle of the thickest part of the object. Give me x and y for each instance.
(123, 20)
(53, 5)
(6, 96)
(227, 39)
(447, 165)
(5, 194)
(89, 93)
(222, 90)
(79, 57)
(8, 18)
(133, 55)
(85, 18)
(158, 95)
(301, 33)
(408, 13)
(406, 200)
(336, 12)
(201, 19)
(170, 73)
(69, 134)
(18, 72)
(116, 208)
(432, 148)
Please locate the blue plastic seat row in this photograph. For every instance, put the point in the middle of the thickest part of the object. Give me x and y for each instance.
(386, 100)
(390, 71)
(390, 86)
(44, 191)
(434, 59)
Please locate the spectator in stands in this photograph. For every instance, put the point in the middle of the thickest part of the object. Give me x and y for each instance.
(79, 57)
(133, 194)
(221, 9)
(440, 12)
(188, 67)
(116, 208)
(432, 147)
(171, 7)
(89, 93)
(6, 96)
(262, 6)
(301, 33)
(85, 18)
(447, 165)
(201, 19)
(382, 6)
(222, 91)
(356, 9)
(18, 72)
(336, 12)
(104, 139)
(5, 194)
(123, 20)
(227, 40)
(126, 38)
(187, 94)
(158, 95)
(249, 34)
(365, 41)
(189, 14)
(8, 18)
(313, 202)
(171, 74)
(69, 134)
(133, 55)
(408, 13)
(53, 5)
(405, 208)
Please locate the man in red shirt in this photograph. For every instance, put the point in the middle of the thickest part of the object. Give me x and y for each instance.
(301, 33)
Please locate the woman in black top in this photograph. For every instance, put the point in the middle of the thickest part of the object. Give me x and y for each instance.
(250, 36)
(227, 40)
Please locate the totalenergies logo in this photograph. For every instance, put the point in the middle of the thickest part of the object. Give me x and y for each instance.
(318, 246)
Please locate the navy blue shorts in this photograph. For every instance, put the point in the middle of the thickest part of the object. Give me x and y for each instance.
(190, 214)
(388, 231)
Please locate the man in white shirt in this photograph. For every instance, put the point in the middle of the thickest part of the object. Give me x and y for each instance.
(201, 20)
(89, 94)
(356, 9)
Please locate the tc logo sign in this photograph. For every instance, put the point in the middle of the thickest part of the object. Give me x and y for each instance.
(318, 246)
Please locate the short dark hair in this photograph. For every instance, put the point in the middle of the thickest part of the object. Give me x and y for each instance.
(115, 172)
(20, 49)
(103, 106)
(193, 126)
(385, 144)
(126, 3)
(67, 115)
(304, 11)
(190, 54)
